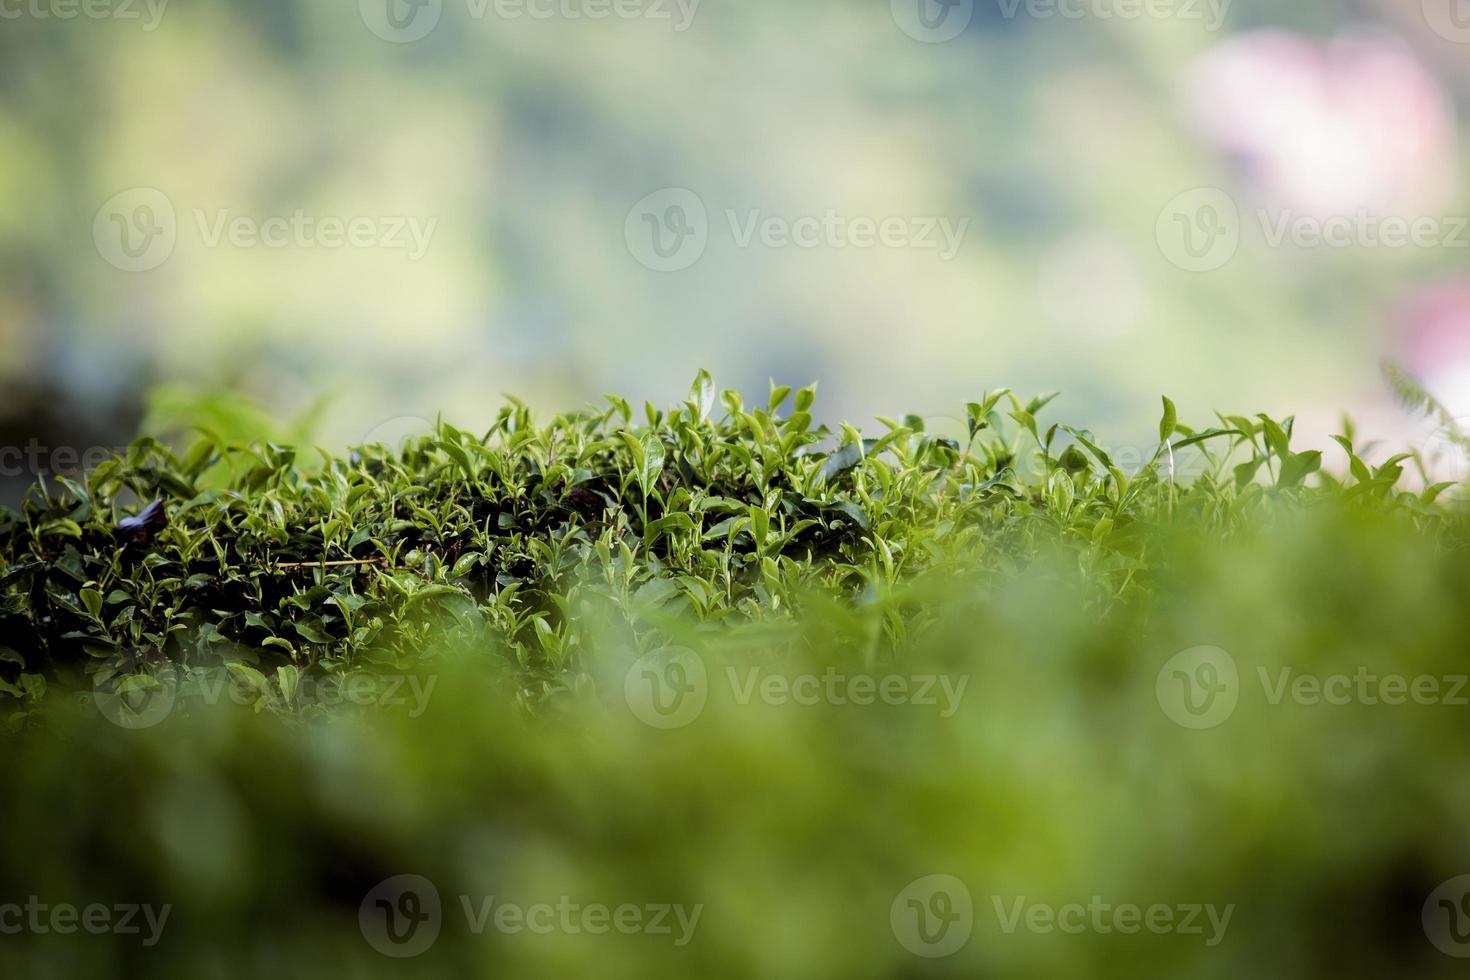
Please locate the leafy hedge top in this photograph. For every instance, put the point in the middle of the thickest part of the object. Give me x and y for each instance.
(256, 557)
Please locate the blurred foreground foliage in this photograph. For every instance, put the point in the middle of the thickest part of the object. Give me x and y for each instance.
(208, 712)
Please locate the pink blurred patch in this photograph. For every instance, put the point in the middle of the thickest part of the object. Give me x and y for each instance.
(1329, 126)
(1432, 340)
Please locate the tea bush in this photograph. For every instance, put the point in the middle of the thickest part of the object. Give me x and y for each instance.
(724, 657)
(251, 558)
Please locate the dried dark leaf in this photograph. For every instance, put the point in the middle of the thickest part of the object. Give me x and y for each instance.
(139, 531)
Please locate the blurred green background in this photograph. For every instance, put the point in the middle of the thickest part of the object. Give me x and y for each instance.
(523, 144)
(1064, 770)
